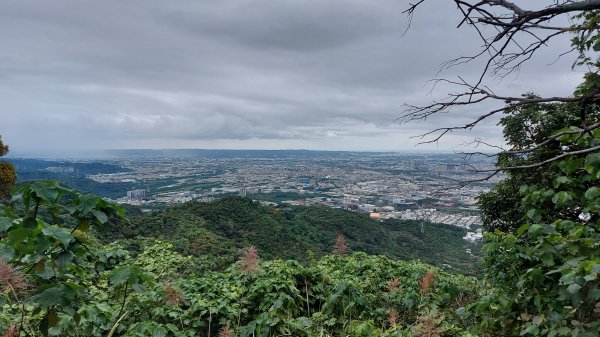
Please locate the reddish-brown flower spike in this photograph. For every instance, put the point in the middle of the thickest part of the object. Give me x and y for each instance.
(427, 281)
(393, 318)
(393, 285)
(249, 262)
(226, 331)
(11, 280)
(173, 296)
(427, 327)
(340, 247)
(12, 331)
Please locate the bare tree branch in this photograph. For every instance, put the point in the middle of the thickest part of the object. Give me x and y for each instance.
(517, 34)
(512, 21)
(545, 162)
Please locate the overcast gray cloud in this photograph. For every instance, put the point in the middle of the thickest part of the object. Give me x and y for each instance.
(235, 74)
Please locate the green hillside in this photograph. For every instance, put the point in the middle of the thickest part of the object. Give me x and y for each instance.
(58, 279)
(222, 227)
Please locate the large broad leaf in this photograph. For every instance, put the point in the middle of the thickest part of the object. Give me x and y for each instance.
(159, 332)
(64, 258)
(6, 253)
(562, 198)
(573, 288)
(59, 234)
(523, 229)
(49, 321)
(41, 243)
(562, 180)
(592, 193)
(44, 269)
(50, 297)
(86, 203)
(126, 274)
(19, 235)
(569, 165)
(531, 329)
(594, 294)
(592, 164)
(30, 222)
(5, 224)
(100, 216)
(45, 190)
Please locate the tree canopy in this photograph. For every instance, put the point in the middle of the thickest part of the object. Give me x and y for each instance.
(7, 173)
(543, 221)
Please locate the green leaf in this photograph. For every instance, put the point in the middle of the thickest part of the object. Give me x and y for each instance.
(592, 193)
(562, 180)
(573, 288)
(562, 198)
(523, 228)
(104, 307)
(44, 269)
(124, 274)
(19, 235)
(7, 253)
(139, 288)
(531, 329)
(50, 297)
(5, 224)
(534, 214)
(534, 229)
(100, 216)
(592, 164)
(594, 294)
(120, 275)
(569, 165)
(41, 243)
(64, 258)
(45, 190)
(548, 260)
(159, 332)
(59, 234)
(50, 320)
(86, 203)
(30, 222)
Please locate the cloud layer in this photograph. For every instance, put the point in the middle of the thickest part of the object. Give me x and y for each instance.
(234, 74)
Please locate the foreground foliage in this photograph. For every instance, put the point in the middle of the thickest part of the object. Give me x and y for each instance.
(546, 272)
(221, 228)
(7, 173)
(543, 250)
(57, 280)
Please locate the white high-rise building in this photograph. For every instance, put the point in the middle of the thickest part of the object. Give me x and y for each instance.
(136, 194)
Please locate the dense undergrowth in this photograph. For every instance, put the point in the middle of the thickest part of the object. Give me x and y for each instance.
(164, 295)
(219, 229)
(57, 279)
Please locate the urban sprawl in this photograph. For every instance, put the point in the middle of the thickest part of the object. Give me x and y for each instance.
(384, 186)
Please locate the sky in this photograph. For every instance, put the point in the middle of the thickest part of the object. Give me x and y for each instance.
(240, 74)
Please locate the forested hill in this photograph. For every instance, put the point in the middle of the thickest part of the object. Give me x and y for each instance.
(221, 228)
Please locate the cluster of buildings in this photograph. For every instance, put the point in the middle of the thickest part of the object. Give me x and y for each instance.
(417, 187)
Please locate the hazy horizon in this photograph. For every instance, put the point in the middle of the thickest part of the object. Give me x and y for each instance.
(100, 154)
